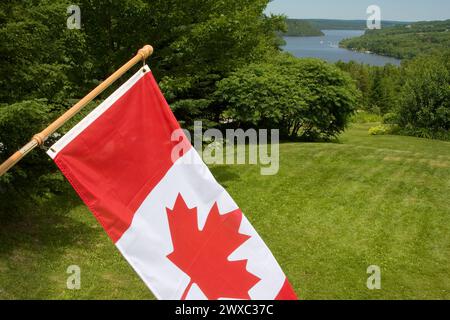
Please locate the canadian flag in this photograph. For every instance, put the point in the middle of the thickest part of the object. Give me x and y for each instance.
(178, 228)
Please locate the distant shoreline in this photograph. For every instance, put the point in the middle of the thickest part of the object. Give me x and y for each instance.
(329, 48)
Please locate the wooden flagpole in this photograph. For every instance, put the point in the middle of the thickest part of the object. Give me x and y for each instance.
(40, 138)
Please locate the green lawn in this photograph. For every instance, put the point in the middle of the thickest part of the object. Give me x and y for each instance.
(333, 210)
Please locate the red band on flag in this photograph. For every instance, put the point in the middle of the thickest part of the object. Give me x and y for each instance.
(139, 164)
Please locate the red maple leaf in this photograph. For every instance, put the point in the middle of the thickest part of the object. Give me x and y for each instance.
(203, 254)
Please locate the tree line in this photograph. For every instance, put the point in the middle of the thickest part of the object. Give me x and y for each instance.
(301, 28)
(414, 98)
(404, 41)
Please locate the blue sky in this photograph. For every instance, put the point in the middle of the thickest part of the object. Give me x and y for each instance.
(401, 10)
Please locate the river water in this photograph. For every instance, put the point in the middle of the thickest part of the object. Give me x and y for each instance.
(327, 48)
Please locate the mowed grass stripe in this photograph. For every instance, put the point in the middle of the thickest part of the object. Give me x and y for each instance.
(333, 210)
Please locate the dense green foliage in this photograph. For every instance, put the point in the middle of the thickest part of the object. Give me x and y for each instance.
(35, 175)
(306, 97)
(414, 96)
(404, 41)
(40, 57)
(424, 108)
(379, 86)
(197, 43)
(301, 28)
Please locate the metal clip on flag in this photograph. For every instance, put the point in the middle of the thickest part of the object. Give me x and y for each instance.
(176, 226)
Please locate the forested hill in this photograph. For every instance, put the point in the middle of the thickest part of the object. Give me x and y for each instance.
(314, 27)
(301, 28)
(330, 24)
(405, 41)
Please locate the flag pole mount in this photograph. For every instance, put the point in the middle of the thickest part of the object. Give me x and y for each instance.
(39, 138)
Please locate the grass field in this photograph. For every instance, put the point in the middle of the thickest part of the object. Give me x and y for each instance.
(333, 210)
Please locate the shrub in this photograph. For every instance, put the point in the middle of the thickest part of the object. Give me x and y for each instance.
(425, 101)
(365, 117)
(390, 118)
(425, 133)
(305, 98)
(35, 174)
(380, 130)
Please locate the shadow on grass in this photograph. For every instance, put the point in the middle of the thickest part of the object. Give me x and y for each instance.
(332, 140)
(43, 225)
(224, 174)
